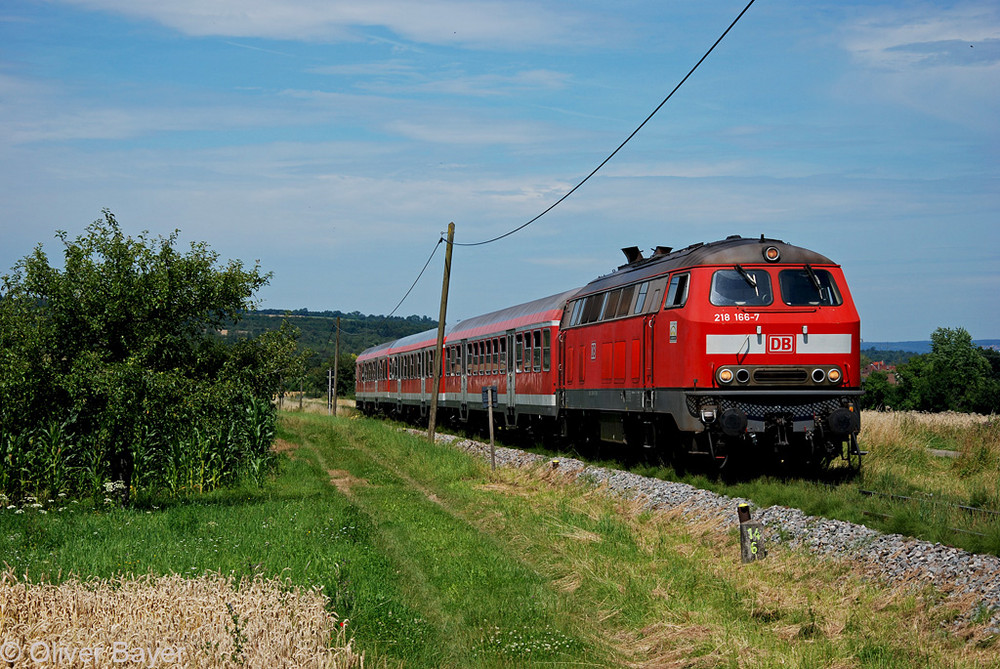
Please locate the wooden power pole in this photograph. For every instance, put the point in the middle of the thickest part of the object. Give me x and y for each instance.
(336, 367)
(439, 349)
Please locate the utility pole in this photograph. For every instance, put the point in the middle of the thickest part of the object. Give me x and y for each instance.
(439, 349)
(336, 367)
(329, 391)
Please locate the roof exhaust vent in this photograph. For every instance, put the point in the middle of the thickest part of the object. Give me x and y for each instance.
(632, 254)
(662, 250)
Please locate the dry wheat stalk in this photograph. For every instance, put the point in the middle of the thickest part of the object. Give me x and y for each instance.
(211, 621)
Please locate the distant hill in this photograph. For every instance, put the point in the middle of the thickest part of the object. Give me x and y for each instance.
(318, 329)
(919, 346)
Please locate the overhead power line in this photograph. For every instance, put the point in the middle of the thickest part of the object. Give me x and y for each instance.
(429, 258)
(620, 146)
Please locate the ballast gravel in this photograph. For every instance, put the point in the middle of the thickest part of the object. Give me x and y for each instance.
(959, 574)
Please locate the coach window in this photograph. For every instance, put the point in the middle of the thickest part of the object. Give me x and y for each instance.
(488, 365)
(536, 350)
(496, 355)
(503, 355)
(518, 353)
(527, 351)
(546, 349)
(678, 292)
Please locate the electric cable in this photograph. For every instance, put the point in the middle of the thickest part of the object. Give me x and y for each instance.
(429, 258)
(620, 146)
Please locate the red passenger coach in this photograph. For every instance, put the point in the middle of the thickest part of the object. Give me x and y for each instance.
(739, 345)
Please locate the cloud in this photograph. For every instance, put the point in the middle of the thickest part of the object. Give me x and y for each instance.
(902, 41)
(492, 24)
(943, 63)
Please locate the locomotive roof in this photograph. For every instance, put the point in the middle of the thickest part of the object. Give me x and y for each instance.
(733, 250)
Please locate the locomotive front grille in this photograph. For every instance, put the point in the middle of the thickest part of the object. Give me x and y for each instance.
(761, 408)
(776, 375)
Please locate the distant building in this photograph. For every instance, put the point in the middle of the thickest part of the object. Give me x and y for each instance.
(880, 366)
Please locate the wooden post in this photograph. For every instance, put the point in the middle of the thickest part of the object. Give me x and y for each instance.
(489, 397)
(751, 536)
(329, 391)
(336, 367)
(438, 350)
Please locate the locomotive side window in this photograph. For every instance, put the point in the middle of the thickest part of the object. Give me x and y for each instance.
(611, 304)
(640, 299)
(741, 287)
(678, 292)
(593, 307)
(625, 303)
(809, 287)
(574, 319)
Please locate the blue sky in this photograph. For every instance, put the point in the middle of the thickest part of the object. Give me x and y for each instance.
(335, 141)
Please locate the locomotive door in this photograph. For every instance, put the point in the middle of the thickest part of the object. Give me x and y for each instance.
(647, 351)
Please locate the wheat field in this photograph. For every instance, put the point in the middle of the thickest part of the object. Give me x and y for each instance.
(210, 621)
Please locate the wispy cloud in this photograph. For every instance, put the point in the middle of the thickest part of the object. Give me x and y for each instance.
(942, 62)
(489, 23)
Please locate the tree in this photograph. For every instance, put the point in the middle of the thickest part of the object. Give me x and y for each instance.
(955, 376)
(117, 350)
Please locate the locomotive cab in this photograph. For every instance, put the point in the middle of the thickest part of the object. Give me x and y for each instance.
(770, 360)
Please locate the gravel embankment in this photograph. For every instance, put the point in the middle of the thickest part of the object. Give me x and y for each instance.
(892, 557)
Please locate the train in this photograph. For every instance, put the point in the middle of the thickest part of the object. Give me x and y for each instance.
(741, 346)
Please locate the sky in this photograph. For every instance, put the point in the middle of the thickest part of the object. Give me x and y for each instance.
(334, 141)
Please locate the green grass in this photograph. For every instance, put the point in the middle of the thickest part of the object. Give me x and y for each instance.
(437, 562)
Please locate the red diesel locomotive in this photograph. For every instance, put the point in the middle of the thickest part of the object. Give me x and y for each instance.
(731, 346)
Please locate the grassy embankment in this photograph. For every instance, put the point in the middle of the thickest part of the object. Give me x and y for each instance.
(436, 562)
(942, 461)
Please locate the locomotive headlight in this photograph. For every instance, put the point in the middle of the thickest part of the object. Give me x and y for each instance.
(833, 375)
(725, 375)
(818, 375)
(772, 254)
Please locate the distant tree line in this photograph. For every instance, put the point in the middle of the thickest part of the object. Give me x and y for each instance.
(316, 334)
(956, 375)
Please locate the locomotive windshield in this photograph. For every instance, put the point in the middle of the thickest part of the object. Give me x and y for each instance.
(809, 287)
(741, 287)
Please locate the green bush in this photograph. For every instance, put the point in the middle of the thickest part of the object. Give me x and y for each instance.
(110, 369)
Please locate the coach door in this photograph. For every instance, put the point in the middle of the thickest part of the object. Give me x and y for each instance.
(511, 395)
(464, 358)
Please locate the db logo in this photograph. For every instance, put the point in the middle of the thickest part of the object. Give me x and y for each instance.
(781, 343)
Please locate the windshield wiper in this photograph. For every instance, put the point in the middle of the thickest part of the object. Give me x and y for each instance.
(815, 280)
(749, 278)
